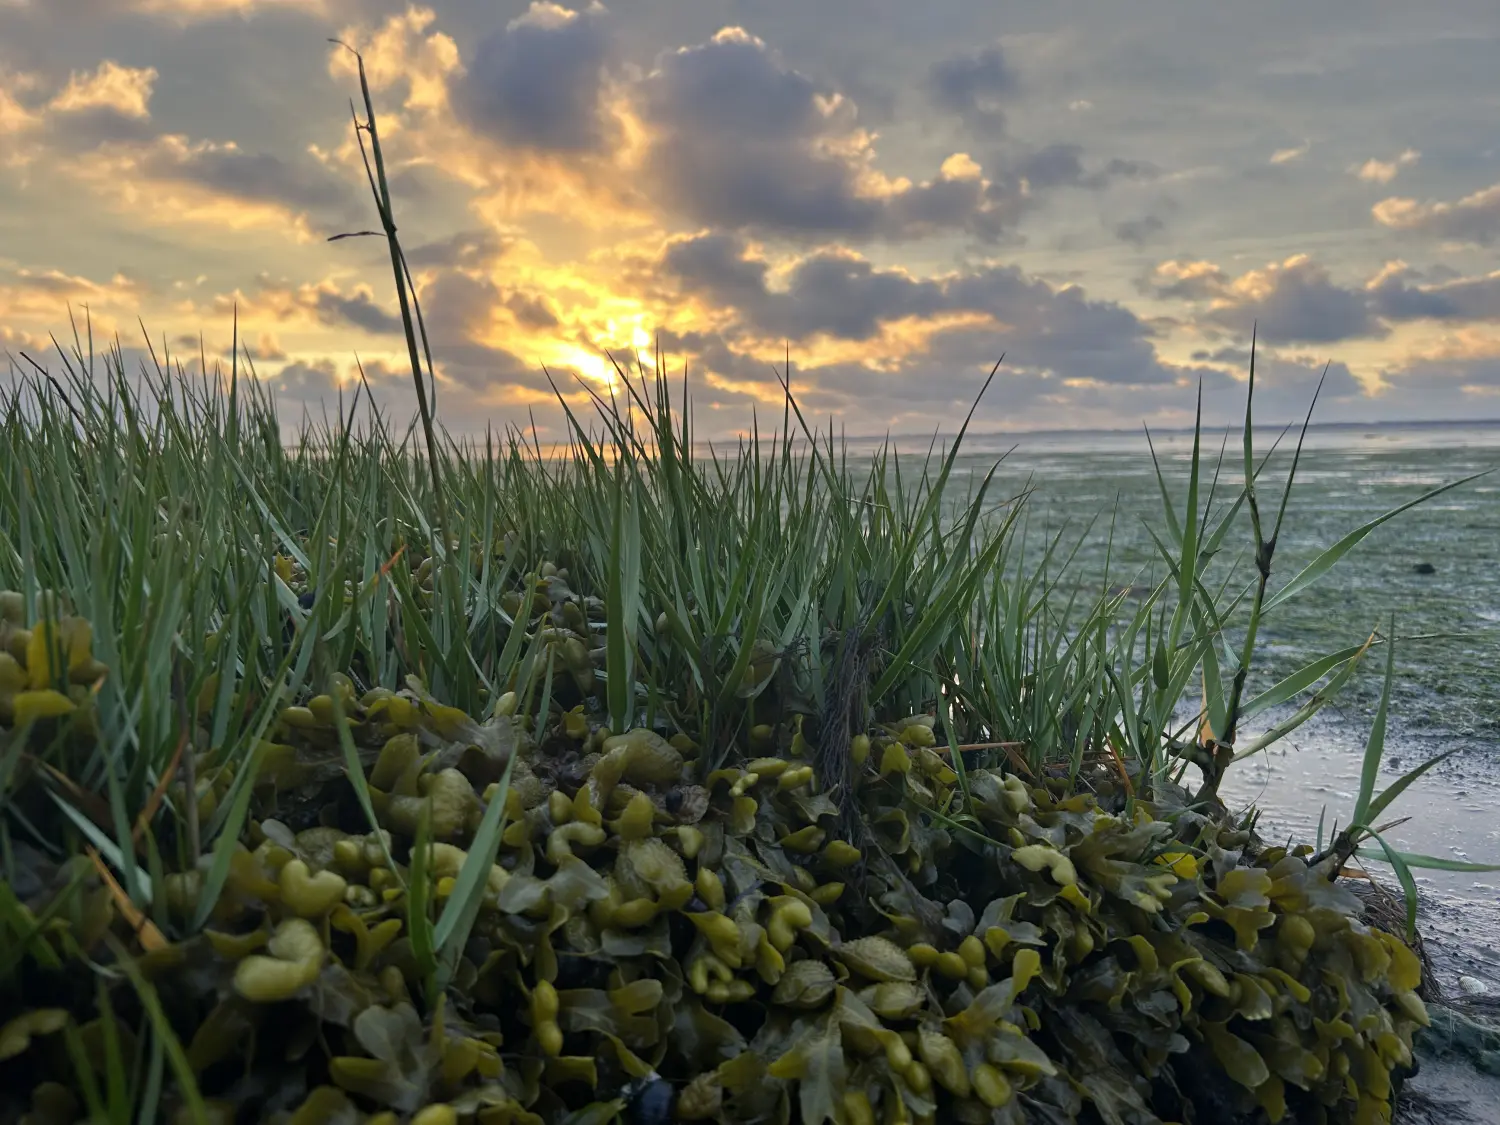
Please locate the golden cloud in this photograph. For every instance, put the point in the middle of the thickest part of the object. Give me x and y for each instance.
(596, 193)
(893, 344)
(32, 301)
(1287, 155)
(15, 117)
(151, 183)
(1475, 217)
(1467, 342)
(1384, 171)
(124, 89)
(400, 51)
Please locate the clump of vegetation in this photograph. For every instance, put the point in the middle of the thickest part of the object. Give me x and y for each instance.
(339, 783)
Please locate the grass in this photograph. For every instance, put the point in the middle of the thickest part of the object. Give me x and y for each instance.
(736, 588)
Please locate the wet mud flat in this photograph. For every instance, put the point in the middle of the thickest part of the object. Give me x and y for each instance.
(1454, 813)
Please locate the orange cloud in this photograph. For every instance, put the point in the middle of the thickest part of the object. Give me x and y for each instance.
(1474, 218)
(161, 182)
(407, 53)
(1287, 155)
(1384, 171)
(15, 117)
(402, 50)
(1468, 342)
(33, 301)
(124, 89)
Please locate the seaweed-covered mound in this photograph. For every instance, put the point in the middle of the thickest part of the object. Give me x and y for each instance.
(656, 941)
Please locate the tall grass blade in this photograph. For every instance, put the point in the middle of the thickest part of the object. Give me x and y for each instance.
(1408, 883)
(1375, 744)
(462, 908)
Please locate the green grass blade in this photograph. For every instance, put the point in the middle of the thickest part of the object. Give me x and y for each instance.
(462, 907)
(1408, 884)
(228, 839)
(187, 1083)
(1299, 681)
(1399, 786)
(1432, 862)
(1375, 744)
(622, 605)
(355, 772)
(418, 898)
(1318, 701)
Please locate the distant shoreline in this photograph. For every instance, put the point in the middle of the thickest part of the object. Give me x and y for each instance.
(973, 435)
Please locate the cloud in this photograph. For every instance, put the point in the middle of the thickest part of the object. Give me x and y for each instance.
(1287, 155)
(317, 385)
(534, 124)
(1061, 165)
(169, 180)
(15, 115)
(227, 170)
(1285, 380)
(323, 303)
(974, 86)
(402, 51)
(1140, 231)
(121, 89)
(1474, 218)
(550, 170)
(267, 347)
(539, 82)
(40, 298)
(1186, 280)
(98, 129)
(56, 288)
(469, 248)
(1374, 171)
(182, 13)
(108, 104)
(1294, 301)
(547, 116)
(1456, 375)
(1460, 299)
(828, 300)
(750, 144)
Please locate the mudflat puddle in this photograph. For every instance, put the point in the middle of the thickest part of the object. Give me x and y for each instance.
(1452, 811)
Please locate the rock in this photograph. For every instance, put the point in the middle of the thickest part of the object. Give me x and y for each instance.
(1424, 568)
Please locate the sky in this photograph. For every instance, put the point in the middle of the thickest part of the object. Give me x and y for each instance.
(894, 195)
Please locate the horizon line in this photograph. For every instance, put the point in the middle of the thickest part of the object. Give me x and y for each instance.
(1481, 423)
